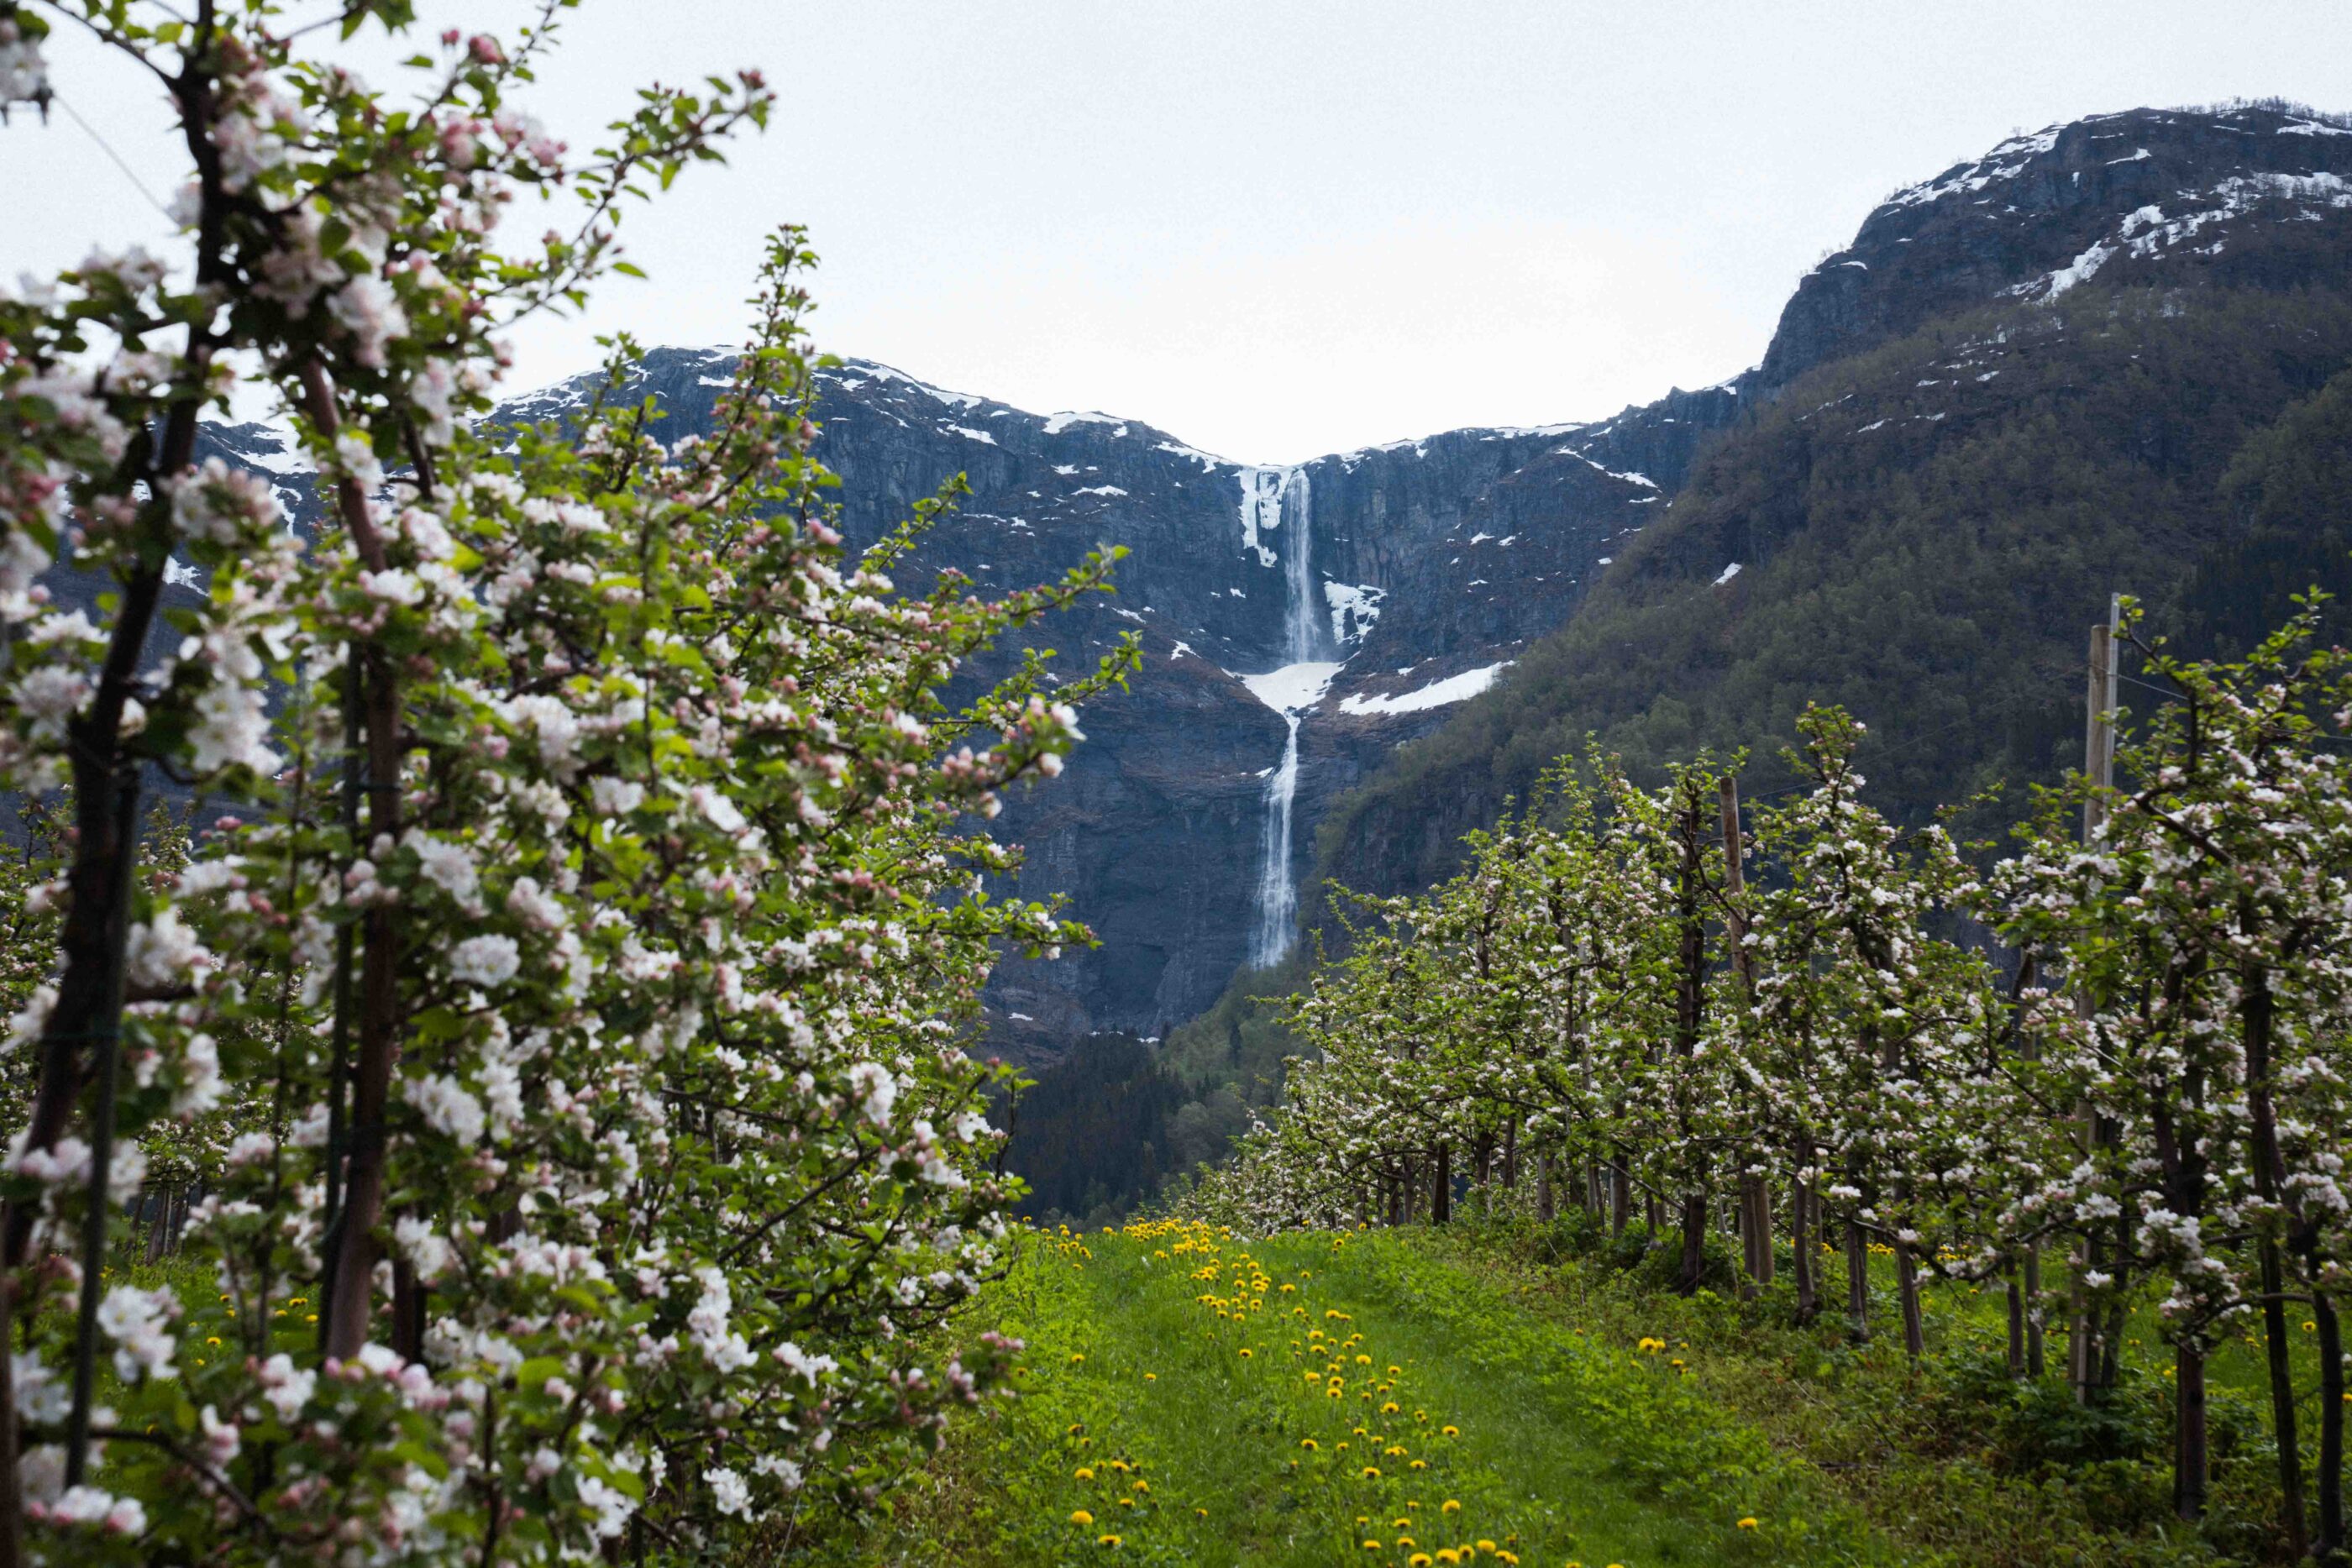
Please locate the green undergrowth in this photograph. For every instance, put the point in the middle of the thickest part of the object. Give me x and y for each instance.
(1952, 1459)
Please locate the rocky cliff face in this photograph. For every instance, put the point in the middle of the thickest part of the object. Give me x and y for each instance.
(1298, 623)
(2042, 212)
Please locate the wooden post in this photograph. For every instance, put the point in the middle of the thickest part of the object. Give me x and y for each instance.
(2099, 768)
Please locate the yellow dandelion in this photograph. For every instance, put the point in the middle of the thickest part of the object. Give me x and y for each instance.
(1083, 1473)
(1748, 1524)
(1081, 1517)
(1449, 1506)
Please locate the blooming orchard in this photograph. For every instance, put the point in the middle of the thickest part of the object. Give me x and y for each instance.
(579, 970)
(2147, 1084)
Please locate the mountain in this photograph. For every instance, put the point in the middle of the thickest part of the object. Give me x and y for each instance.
(2023, 385)
(2058, 372)
(1298, 623)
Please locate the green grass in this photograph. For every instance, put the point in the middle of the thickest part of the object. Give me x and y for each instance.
(1570, 1448)
(1949, 1458)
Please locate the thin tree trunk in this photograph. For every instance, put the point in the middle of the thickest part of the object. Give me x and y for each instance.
(1694, 1272)
(1621, 1193)
(2330, 1543)
(1761, 1265)
(2037, 1361)
(2191, 1466)
(106, 1052)
(1801, 1208)
(350, 1273)
(1857, 1280)
(2254, 1018)
(1906, 1281)
(1544, 1201)
(159, 1226)
(1441, 1187)
(2016, 1320)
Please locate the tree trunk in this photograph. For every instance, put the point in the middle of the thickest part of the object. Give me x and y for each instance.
(1800, 1206)
(2016, 1320)
(2330, 1543)
(1621, 1194)
(1857, 1280)
(1441, 1187)
(1906, 1281)
(1544, 1200)
(1694, 1273)
(2255, 1018)
(159, 1226)
(2191, 1467)
(1511, 1154)
(1761, 1265)
(2037, 1361)
(350, 1273)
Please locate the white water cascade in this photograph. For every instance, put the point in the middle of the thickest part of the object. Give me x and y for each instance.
(1278, 500)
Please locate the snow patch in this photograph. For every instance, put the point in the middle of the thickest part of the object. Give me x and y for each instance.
(1644, 480)
(1100, 490)
(1058, 423)
(1354, 608)
(1438, 693)
(1293, 688)
(1207, 460)
(1726, 575)
(969, 433)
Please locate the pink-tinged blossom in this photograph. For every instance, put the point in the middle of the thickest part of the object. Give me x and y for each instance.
(135, 1321)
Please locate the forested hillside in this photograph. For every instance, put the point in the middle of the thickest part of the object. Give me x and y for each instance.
(1923, 534)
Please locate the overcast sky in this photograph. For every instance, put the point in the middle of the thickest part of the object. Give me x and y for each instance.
(1278, 228)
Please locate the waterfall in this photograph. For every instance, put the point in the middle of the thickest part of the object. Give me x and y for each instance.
(1277, 899)
(1279, 499)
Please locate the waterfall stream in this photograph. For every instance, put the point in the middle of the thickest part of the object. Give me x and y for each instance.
(1279, 500)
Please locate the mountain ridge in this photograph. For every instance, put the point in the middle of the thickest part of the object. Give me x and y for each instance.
(1322, 620)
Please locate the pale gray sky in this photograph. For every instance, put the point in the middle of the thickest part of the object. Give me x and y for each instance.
(1276, 227)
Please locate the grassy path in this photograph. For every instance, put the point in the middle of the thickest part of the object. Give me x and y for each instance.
(1318, 1400)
